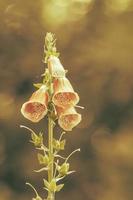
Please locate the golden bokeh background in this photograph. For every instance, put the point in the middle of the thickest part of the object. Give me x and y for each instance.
(95, 39)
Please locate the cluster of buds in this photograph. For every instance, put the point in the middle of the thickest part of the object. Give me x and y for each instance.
(63, 97)
(56, 99)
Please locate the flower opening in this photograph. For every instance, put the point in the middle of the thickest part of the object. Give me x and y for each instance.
(68, 118)
(36, 108)
(64, 95)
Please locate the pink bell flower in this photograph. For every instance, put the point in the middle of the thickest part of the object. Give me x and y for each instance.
(64, 95)
(68, 118)
(55, 67)
(36, 108)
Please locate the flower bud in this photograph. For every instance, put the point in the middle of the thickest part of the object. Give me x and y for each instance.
(36, 108)
(68, 118)
(55, 67)
(64, 95)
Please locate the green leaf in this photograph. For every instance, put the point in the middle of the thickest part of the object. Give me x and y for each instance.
(59, 187)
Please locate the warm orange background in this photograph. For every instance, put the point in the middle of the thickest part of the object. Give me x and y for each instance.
(95, 39)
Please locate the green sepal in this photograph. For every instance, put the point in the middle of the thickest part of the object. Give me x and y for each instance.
(62, 144)
(63, 169)
(46, 183)
(59, 145)
(59, 187)
(52, 185)
(43, 159)
(37, 140)
(56, 144)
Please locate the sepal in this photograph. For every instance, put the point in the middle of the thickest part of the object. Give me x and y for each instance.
(46, 183)
(37, 140)
(59, 187)
(43, 159)
(59, 145)
(52, 186)
(63, 169)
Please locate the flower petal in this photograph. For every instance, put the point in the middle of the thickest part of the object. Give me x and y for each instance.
(68, 118)
(64, 95)
(36, 108)
(55, 67)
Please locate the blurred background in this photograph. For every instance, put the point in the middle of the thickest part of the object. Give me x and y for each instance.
(95, 39)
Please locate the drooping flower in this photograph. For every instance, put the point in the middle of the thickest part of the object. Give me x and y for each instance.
(68, 118)
(55, 67)
(36, 108)
(64, 95)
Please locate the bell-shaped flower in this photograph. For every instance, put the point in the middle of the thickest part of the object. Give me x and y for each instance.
(64, 95)
(68, 118)
(55, 67)
(36, 108)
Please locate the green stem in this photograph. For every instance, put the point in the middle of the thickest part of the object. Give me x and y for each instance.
(50, 48)
(51, 195)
